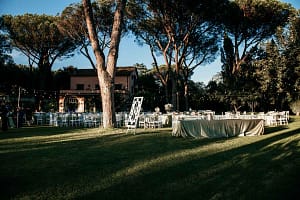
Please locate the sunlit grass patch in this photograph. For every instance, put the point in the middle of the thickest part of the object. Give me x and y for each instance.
(63, 163)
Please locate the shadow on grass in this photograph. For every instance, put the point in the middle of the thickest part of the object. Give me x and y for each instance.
(152, 165)
(35, 131)
(269, 130)
(267, 169)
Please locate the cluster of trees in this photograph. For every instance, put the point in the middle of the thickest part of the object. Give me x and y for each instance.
(259, 43)
(268, 73)
(22, 79)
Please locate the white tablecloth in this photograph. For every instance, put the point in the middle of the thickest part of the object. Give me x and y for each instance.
(218, 128)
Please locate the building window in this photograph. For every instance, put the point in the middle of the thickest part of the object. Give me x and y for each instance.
(118, 86)
(72, 100)
(88, 87)
(80, 87)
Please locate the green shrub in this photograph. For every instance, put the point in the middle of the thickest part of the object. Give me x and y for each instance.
(295, 106)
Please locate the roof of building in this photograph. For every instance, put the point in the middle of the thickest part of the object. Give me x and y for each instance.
(125, 71)
(121, 71)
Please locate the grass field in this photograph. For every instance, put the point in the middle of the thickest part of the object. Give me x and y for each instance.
(60, 163)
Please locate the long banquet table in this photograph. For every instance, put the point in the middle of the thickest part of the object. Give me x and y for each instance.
(218, 128)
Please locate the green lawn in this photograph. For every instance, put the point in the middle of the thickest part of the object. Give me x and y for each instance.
(59, 163)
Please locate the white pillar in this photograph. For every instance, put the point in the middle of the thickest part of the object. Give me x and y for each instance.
(61, 104)
(80, 107)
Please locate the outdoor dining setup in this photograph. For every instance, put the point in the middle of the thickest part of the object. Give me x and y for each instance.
(145, 120)
(271, 118)
(208, 124)
(196, 123)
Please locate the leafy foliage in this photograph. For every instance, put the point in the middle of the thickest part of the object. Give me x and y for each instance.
(5, 47)
(251, 72)
(295, 106)
(248, 23)
(260, 51)
(186, 36)
(38, 38)
(72, 23)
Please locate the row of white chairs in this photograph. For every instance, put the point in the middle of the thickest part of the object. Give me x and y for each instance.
(150, 121)
(74, 119)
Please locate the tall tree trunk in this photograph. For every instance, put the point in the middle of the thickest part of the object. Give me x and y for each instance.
(107, 96)
(45, 75)
(174, 93)
(186, 95)
(106, 74)
(167, 99)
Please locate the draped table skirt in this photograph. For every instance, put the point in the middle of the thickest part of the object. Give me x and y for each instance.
(218, 128)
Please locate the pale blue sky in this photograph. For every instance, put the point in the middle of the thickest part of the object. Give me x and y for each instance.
(130, 53)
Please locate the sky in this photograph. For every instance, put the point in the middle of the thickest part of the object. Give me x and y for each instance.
(129, 52)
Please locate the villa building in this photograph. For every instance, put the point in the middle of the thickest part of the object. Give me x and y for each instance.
(84, 92)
